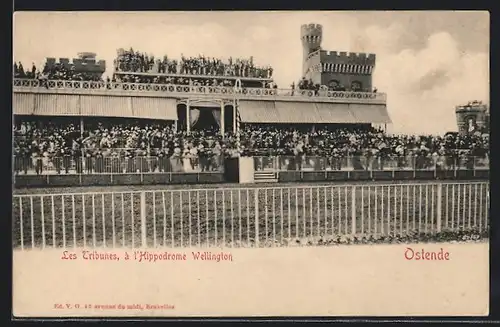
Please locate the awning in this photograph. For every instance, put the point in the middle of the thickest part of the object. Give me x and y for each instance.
(57, 105)
(287, 112)
(105, 106)
(370, 113)
(298, 112)
(154, 108)
(335, 113)
(23, 103)
(258, 112)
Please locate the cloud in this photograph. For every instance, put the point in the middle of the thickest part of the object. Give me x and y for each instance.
(424, 86)
(433, 79)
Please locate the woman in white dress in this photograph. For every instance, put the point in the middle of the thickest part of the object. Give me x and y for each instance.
(186, 159)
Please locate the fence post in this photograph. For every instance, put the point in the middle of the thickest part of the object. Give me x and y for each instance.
(110, 161)
(474, 166)
(414, 169)
(353, 210)
(439, 204)
(256, 203)
(80, 170)
(143, 219)
(141, 159)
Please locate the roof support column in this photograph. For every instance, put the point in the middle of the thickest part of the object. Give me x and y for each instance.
(188, 117)
(222, 127)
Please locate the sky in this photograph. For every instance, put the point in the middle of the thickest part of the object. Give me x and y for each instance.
(427, 62)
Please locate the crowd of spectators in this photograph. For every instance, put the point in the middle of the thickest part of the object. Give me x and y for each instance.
(132, 62)
(20, 72)
(54, 72)
(135, 61)
(289, 141)
(206, 148)
(308, 84)
(213, 69)
(166, 80)
(172, 80)
(62, 73)
(366, 143)
(60, 145)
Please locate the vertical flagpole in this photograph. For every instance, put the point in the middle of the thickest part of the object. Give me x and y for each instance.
(188, 117)
(236, 114)
(238, 140)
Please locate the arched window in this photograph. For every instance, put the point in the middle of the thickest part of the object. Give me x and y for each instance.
(471, 124)
(333, 84)
(356, 86)
(237, 85)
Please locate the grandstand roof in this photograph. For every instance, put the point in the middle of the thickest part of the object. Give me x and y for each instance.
(313, 113)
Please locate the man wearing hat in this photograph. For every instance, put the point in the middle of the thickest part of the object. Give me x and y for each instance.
(99, 161)
(175, 159)
(203, 155)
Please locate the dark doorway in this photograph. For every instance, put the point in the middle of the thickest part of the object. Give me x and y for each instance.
(228, 118)
(181, 115)
(206, 121)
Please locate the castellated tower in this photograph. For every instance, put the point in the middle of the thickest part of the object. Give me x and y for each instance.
(311, 36)
(344, 71)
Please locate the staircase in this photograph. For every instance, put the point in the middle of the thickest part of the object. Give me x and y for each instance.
(265, 177)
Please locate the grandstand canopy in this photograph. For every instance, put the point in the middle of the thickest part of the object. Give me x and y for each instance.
(100, 106)
(312, 113)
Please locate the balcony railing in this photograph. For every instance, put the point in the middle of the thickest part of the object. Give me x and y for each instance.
(116, 165)
(359, 163)
(347, 96)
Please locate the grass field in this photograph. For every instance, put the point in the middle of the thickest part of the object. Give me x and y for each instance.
(228, 215)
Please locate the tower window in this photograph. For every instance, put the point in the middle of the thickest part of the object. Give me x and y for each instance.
(333, 84)
(356, 86)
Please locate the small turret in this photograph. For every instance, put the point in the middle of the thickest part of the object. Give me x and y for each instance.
(85, 63)
(471, 117)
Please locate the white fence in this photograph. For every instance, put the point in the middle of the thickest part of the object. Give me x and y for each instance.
(237, 217)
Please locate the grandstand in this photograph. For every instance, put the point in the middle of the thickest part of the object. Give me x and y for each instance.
(199, 120)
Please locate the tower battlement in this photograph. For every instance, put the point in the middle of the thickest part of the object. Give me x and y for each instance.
(311, 29)
(472, 106)
(311, 36)
(349, 58)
